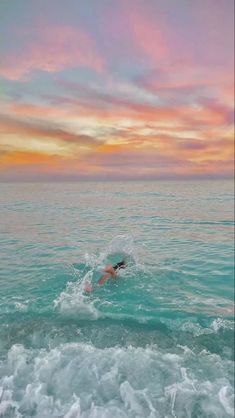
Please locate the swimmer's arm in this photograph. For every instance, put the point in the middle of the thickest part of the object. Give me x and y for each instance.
(101, 281)
(110, 272)
(104, 279)
(109, 269)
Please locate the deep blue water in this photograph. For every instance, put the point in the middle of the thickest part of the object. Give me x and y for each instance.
(156, 342)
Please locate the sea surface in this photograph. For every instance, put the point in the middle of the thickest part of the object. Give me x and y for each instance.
(156, 342)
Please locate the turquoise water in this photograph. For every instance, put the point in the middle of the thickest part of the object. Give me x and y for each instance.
(158, 342)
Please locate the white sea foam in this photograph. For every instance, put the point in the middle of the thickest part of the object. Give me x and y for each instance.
(219, 323)
(21, 306)
(195, 328)
(74, 301)
(80, 380)
(226, 397)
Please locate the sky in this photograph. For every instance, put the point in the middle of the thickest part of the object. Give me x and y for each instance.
(116, 89)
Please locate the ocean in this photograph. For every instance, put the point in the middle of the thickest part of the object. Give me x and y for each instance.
(155, 342)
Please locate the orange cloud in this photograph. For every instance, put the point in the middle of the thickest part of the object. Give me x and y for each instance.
(50, 137)
(129, 138)
(168, 160)
(16, 158)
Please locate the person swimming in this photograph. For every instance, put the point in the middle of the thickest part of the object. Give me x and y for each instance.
(110, 271)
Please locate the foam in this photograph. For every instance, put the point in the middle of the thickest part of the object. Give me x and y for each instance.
(21, 306)
(195, 328)
(219, 323)
(73, 301)
(80, 380)
(226, 397)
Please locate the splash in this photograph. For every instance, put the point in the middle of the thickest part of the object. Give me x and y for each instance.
(120, 247)
(75, 298)
(73, 301)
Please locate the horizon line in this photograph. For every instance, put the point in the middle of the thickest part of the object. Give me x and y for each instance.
(115, 180)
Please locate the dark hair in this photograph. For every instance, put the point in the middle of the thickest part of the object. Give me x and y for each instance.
(120, 265)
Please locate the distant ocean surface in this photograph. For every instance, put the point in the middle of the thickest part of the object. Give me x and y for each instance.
(157, 342)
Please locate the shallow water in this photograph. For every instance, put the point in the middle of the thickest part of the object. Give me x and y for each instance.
(158, 342)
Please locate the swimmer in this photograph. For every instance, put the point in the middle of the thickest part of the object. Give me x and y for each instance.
(111, 272)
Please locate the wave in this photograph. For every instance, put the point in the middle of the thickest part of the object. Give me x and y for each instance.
(143, 294)
(115, 382)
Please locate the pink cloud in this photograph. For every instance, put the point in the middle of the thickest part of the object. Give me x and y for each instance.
(196, 50)
(177, 84)
(53, 49)
(208, 114)
(138, 35)
(149, 36)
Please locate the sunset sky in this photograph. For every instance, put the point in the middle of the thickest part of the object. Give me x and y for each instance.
(116, 89)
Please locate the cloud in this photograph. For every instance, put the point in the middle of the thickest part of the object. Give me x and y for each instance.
(52, 49)
(121, 162)
(192, 145)
(48, 138)
(149, 37)
(182, 84)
